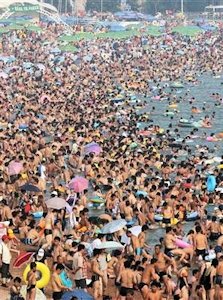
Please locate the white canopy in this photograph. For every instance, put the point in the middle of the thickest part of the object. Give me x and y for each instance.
(7, 3)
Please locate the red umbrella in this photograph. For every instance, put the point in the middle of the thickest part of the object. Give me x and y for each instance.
(22, 258)
(14, 168)
(78, 184)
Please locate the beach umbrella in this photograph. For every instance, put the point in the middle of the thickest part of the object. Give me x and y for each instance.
(39, 294)
(56, 203)
(29, 188)
(80, 294)
(135, 230)
(92, 148)
(78, 184)
(14, 168)
(110, 245)
(22, 259)
(113, 226)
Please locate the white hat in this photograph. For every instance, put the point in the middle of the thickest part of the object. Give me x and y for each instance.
(54, 193)
(40, 254)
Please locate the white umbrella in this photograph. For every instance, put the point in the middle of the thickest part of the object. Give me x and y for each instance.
(136, 230)
(109, 245)
(113, 226)
(57, 203)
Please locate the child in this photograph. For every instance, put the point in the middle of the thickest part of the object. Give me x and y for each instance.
(15, 289)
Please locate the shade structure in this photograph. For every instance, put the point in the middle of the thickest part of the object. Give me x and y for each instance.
(110, 245)
(78, 184)
(29, 188)
(80, 294)
(113, 226)
(14, 168)
(22, 259)
(56, 203)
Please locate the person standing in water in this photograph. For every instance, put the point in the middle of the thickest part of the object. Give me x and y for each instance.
(31, 282)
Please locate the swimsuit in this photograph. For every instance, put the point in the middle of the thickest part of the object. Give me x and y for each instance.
(201, 252)
(30, 288)
(124, 291)
(138, 251)
(214, 236)
(141, 285)
(166, 220)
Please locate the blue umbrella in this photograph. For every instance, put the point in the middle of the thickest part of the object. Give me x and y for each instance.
(80, 294)
(29, 188)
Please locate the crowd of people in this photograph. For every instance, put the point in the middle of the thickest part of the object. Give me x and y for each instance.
(54, 104)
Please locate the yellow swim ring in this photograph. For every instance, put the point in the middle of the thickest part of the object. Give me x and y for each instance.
(174, 221)
(45, 275)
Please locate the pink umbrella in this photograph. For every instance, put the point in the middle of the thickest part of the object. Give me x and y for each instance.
(14, 168)
(23, 258)
(78, 184)
(92, 148)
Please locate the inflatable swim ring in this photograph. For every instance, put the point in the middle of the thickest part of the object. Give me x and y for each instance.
(159, 218)
(192, 216)
(144, 132)
(177, 85)
(97, 200)
(211, 183)
(182, 244)
(45, 275)
(210, 256)
(169, 113)
(37, 214)
(143, 193)
(23, 126)
(185, 124)
(211, 139)
(65, 280)
(173, 105)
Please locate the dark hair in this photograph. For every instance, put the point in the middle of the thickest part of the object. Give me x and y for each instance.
(145, 227)
(96, 252)
(17, 279)
(59, 267)
(155, 283)
(127, 264)
(198, 229)
(32, 265)
(214, 262)
(214, 218)
(195, 271)
(80, 247)
(168, 229)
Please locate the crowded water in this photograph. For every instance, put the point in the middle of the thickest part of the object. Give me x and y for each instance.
(111, 180)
